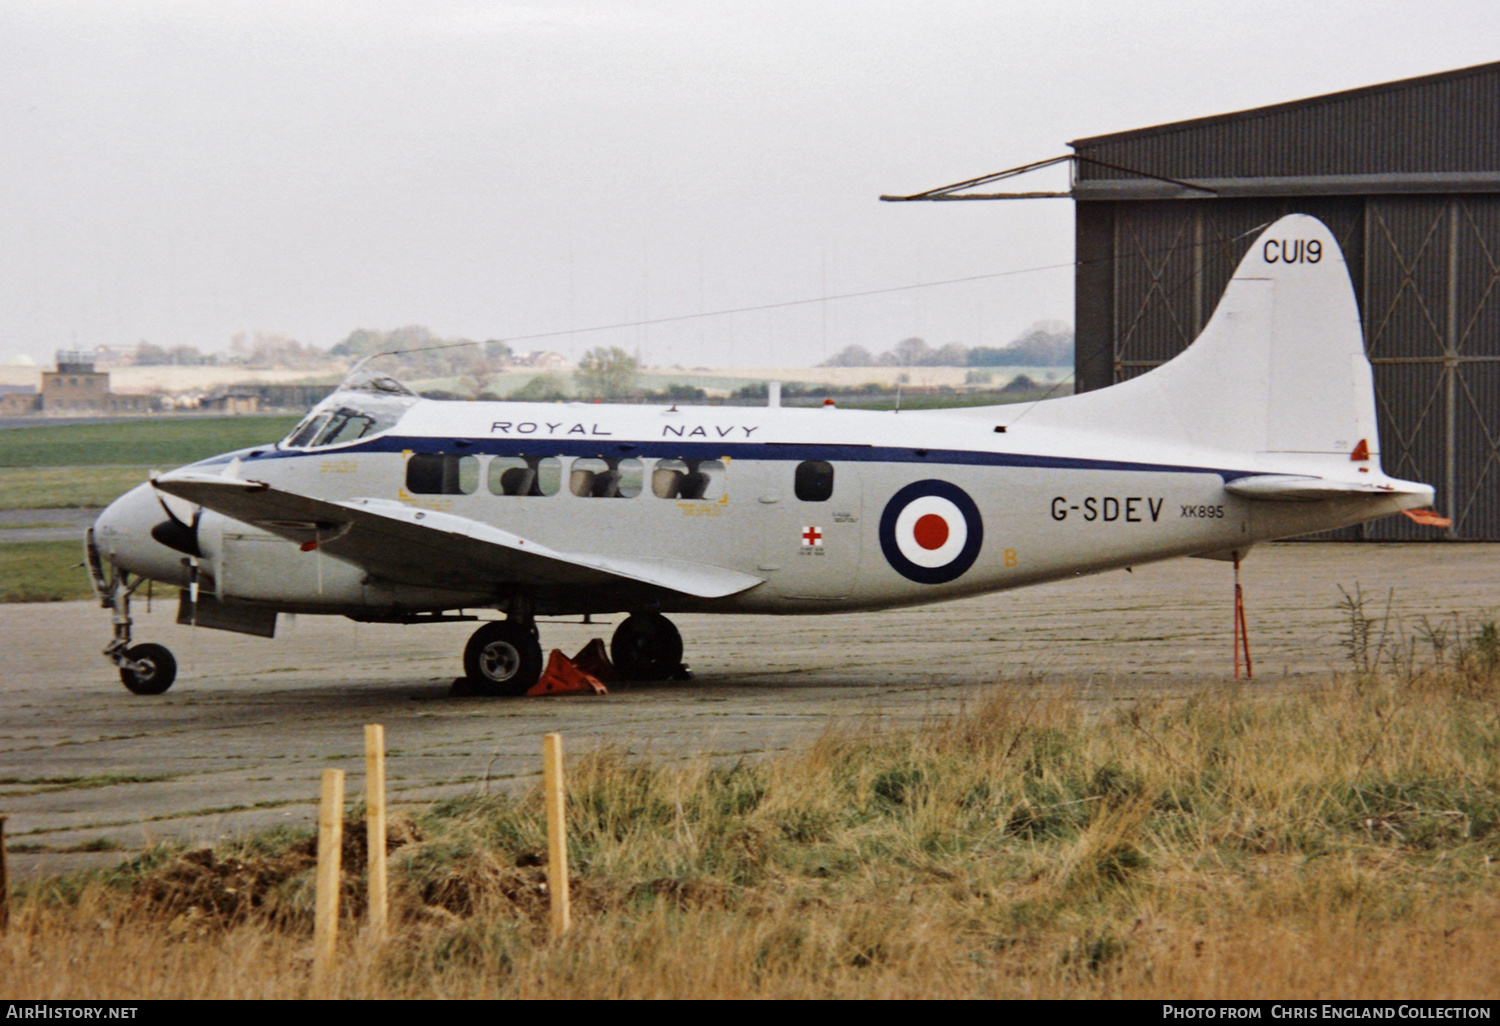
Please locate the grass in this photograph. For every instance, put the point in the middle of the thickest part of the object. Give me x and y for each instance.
(1334, 843)
(160, 441)
(66, 487)
(47, 571)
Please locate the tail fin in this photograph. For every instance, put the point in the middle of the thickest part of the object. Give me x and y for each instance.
(1279, 370)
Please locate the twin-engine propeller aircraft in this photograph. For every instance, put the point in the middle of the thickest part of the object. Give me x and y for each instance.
(387, 508)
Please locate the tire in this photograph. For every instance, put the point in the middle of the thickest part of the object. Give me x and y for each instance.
(503, 658)
(646, 646)
(159, 673)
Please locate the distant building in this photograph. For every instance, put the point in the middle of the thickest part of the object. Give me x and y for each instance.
(542, 360)
(76, 387)
(113, 356)
(18, 400)
(233, 401)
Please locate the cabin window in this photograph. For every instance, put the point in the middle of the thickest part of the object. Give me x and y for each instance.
(593, 478)
(442, 473)
(688, 479)
(525, 475)
(632, 475)
(814, 481)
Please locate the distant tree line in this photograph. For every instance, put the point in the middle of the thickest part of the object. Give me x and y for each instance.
(1044, 344)
(458, 356)
(148, 355)
(435, 357)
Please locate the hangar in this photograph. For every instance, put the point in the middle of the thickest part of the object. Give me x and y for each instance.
(1406, 174)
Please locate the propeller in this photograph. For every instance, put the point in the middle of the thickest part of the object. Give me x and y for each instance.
(174, 533)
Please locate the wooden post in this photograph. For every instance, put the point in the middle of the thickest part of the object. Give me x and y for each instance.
(557, 832)
(330, 849)
(4, 880)
(375, 827)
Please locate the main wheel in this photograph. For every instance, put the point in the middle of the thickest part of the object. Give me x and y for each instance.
(503, 658)
(646, 647)
(158, 669)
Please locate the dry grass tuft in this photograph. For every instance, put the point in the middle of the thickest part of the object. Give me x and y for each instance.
(1333, 843)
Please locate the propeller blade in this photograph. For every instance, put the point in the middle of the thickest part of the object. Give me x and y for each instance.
(175, 534)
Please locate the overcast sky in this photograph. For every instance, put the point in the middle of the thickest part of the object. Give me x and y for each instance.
(178, 172)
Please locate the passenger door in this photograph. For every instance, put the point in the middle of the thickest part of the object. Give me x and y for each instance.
(810, 529)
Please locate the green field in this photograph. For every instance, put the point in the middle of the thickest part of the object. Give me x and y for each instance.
(57, 466)
(49, 571)
(66, 487)
(162, 442)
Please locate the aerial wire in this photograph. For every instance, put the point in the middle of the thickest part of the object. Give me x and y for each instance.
(1174, 290)
(731, 311)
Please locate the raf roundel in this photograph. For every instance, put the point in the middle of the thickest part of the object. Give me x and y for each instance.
(931, 532)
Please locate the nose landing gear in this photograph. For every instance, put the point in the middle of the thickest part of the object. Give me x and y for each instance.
(144, 669)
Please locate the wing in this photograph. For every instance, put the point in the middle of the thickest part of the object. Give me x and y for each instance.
(422, 547)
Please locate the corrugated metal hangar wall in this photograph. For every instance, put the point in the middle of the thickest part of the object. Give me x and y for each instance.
(1406, 174)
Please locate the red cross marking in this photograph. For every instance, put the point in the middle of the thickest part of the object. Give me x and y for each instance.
(812, 536)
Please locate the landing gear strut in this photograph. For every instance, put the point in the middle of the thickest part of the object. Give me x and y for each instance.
(144, 669)
(646, 646)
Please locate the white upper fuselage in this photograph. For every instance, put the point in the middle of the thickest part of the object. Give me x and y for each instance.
(1051, 502)
(1265, 427)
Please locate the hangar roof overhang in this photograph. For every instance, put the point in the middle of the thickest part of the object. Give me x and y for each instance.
(1098, 189)
(1432, 134)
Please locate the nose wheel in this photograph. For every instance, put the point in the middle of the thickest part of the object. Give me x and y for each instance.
(148, 669)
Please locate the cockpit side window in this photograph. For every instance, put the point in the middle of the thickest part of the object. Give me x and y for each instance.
(346, 425)
(304, 433)
(362, 416)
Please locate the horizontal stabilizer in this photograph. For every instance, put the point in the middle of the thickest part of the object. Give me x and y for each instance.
(397, 542)
(1301, 488)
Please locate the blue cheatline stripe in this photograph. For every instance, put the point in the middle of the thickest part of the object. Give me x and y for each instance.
(793, 452)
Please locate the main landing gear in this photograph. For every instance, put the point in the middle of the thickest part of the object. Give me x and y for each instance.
(646, 647)
(504, 657)
(144, 669)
